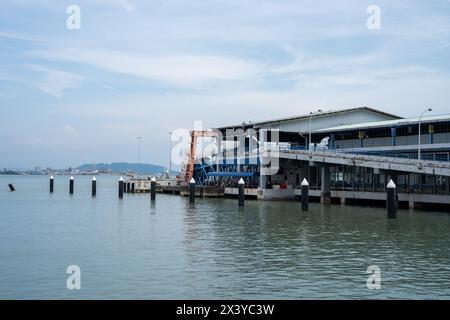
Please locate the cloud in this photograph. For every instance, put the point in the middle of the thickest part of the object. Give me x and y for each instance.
(128, 6)
(67, 129)
(55, 82)
(175, 69)
(22, 36)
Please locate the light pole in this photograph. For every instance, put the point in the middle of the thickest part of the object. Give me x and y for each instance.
(310, 120)
(170, 154)
(139, 149)
(419, 158)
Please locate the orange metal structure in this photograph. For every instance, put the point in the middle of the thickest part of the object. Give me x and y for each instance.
(191, 154)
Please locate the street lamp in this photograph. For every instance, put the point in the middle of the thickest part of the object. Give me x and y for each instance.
(310, 120)
(170, 154)
(418, 147)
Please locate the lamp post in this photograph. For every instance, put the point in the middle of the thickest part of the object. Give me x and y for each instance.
(170, 154)
(419, 158)
(310, 120)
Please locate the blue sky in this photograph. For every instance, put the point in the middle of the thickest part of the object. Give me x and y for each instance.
(144, 68)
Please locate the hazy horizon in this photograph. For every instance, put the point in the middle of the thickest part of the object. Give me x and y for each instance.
(174, 168)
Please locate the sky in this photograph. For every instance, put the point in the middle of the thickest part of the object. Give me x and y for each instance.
(145, 68)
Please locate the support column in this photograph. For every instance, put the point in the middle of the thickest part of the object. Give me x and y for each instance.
(262, 181)
(332, 141)
(361, 138)
(447, 185)
(431, 132)
(325, 194)
(343, 185)
(411, 203)
(393, 135)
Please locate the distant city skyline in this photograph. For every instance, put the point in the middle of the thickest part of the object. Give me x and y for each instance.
(145, 68)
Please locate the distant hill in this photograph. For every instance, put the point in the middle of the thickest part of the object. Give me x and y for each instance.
(123, 167)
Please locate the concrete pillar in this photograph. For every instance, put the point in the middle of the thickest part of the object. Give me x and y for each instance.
(332, 141)
(411, 203)
(393, 135)
(325, 194)
(262, 181)
(411, 183)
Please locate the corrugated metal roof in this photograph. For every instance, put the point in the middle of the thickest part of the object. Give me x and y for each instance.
(386, 123)
(306, 116)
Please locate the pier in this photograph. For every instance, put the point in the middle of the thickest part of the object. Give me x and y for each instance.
(352, 160)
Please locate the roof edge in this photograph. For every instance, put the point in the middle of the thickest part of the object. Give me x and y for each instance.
(293, 118)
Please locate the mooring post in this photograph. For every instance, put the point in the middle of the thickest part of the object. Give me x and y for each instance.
(128, 187)
(94, 186)
(305, 194)
(52, 184)
(391, 200)
(132, 187)
(153, 189)
(11, 187)
(71, 185)
(192, 190)
(241, 196)
(120, 188)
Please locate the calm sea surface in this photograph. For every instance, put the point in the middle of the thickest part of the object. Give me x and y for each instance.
(131, 249)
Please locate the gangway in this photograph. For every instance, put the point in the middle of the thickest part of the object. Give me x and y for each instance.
(368, 161)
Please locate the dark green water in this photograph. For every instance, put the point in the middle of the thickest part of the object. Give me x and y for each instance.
(269, 250)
